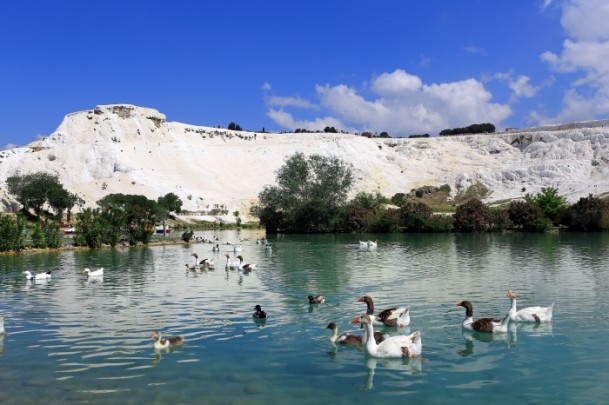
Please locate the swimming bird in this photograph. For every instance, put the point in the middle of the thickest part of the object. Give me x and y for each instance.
(316, 299)
(93, 273)
(399, 316)
(160, 343)
(229, 265)
(371, 244)
(202, 264)
(349, 339)
(392, 347)
(246, 266)
(260, 314)
(488, 325)
(39, 276)
(2, 330)
(529, 314)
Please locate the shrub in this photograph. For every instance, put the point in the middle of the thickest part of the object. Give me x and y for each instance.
(588, 214)
(498, 219)
(414, 216)
(527, 216)
(471, 216)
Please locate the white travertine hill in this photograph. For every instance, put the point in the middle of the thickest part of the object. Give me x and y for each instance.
(134, 150)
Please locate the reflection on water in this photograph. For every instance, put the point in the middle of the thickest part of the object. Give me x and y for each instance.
(76, 339)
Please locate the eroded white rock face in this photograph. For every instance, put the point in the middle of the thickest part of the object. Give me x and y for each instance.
(134, 150)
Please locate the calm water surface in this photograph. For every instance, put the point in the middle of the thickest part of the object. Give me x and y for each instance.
(71, 340)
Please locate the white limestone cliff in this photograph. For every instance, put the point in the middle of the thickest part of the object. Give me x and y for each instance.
(134, 150)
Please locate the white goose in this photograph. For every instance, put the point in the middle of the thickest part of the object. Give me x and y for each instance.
(392, 347)
(229, 265)
(488, 325)
(529, 314)
(399, 316)
(93, 273)
(202, 264)
(39, 276)
(245, 266)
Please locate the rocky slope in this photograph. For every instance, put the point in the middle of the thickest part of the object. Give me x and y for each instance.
(135, 150)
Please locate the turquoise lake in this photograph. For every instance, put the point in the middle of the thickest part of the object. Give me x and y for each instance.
(74, 340)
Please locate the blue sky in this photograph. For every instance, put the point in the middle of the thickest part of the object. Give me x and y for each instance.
(405, 67)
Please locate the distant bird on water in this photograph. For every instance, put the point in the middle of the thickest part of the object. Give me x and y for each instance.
(260, 314)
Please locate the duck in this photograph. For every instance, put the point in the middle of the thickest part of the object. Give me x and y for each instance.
(393, 347)
(529, 314)
(363, 244)
(316, 299)
(260, 314)
(93, 273)
(349, 339)
(215, 248)
(345, 338)
(487, 325)
(371, 244)
(246, 266)
(39, 276)
(237, 248)
(160, 343)
(389, 317)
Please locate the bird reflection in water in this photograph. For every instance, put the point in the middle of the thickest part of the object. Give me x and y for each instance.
(406, 366)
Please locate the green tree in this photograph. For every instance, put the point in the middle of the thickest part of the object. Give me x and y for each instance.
(471, 216)
(35, 189)
(170, 202)
(308, 197)
(551, 203)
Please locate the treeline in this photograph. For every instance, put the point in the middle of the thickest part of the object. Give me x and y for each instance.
(118, 217)
(472, 129)
(310, 196)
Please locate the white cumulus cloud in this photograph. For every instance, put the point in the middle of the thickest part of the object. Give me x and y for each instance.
(585, 53)
(402, 104)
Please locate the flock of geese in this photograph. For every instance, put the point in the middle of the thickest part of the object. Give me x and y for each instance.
(376, 343)
(381, 345)
(44, 276)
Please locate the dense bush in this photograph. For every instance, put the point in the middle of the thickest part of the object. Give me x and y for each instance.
(588, 214)
(414, 216)
(528, 216)
(12, 237)
(471, 216)
(498, 219)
